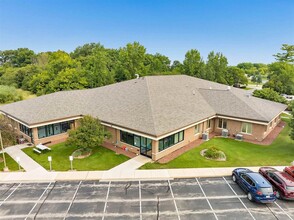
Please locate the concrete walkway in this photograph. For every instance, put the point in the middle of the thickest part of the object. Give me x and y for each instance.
(122, 176)
(123, 172)
(127, 168)
(27, 163)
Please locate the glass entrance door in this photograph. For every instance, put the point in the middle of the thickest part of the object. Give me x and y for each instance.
(146, 147)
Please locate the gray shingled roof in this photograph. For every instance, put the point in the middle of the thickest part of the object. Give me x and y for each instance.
(153, 105)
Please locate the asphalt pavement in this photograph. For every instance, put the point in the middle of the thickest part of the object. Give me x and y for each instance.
(192, 198)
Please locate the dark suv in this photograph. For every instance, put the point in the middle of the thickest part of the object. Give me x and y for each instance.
(255, 185)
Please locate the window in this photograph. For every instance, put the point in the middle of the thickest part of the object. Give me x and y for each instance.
(196, 129)
(170, 140)
(246, 128)
(275, 178)
(25, 130)
(248, 180)
(222, 123)
(176, 138)
(53, 129)
(135, 140)
(208, 123)
(127, 138)
(271, 124)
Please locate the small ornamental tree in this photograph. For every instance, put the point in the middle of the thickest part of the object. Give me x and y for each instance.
(8, 132)
(89, 134)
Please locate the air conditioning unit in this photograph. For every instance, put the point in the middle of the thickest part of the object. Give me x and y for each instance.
(225, 133)
(205, 136)
(239, 137)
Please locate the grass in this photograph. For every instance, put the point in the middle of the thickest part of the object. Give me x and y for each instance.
(12, 165)
(26, 94)
(101, 158)
(280, 152)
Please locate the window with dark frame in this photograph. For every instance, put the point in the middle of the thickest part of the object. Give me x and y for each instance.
(135, 140)
(54, 129)
(171, 140)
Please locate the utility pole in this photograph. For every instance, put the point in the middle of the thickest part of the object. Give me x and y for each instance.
(3, 154)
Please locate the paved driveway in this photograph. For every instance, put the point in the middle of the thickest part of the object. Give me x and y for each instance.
(197, 198)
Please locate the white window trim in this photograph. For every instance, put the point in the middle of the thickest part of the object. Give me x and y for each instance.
(246, 128)
(222, 123)
(198, 130)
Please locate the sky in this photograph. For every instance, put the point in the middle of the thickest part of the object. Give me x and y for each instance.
(243, 30)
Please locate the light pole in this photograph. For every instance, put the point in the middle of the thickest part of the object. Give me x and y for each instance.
(71, 159)
(18, 160)
(50, 162)
(4, 160)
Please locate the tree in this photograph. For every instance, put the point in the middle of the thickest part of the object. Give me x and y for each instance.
(8, 132)
(287, 56)
(157, 63)
(269, 94)
(193, 64)
(68, 79)
(85, 50)
(236, 76)
(281, 78)
(98, 68)
(89, 134)
(131, 62)
(17, 58)
(256, 78)
(216, 67)
(177, 67)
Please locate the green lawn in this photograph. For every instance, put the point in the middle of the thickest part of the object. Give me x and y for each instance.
(101, 158)
(12, 165)
(280, 152)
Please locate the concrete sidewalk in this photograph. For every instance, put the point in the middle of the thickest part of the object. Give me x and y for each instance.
(121, 176)
(123, 172)
(27, 163)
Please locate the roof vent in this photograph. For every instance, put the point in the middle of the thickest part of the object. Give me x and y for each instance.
(248, 95)
(194, 92)
(229, 88)
(210, 87)
(137, 76)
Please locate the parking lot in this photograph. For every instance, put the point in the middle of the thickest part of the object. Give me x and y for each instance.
(197, 198)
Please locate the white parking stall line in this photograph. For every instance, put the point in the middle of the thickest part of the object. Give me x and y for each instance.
(72, 200)
(171, 190)
(38, 200)
(10, 194)
(239, 198)
(105, 205)
(206, 199)
(283, 210)
(140, 199)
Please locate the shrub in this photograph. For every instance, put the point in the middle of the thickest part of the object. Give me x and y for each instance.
(214, 153)
(9, 94)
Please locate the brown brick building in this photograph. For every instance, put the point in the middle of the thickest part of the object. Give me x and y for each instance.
(152, 115)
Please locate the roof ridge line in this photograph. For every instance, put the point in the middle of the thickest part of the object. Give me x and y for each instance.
(248, 106)
(206, 100)
(151, 109)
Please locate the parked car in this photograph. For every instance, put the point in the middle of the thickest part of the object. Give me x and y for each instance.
(289, 170)
(282, 182)
(255, 185)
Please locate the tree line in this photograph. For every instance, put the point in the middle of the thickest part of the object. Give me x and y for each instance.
(92, 65)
